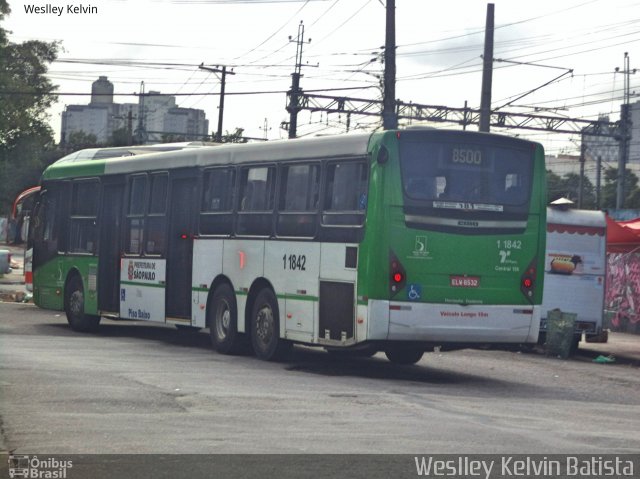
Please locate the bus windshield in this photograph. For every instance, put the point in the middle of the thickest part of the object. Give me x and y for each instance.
(464, 175)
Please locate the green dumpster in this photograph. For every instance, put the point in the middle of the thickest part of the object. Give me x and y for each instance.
(560, 333)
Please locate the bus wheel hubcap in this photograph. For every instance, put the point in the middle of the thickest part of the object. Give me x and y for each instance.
(264, 324)
(223, 320)
(75, 303)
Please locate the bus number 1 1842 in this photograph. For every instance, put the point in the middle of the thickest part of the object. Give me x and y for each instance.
(294, 262)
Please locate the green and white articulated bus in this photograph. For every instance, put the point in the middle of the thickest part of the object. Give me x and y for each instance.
(396, 241)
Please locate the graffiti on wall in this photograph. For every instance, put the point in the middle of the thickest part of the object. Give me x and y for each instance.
(623, 290)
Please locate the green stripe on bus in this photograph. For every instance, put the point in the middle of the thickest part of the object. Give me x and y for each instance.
(75, 169)
(133, 283)
(297, 297)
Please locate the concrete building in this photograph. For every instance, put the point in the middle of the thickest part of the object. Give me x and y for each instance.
(96, 118)
(91, 119)
(154, 116)
(601, 146)
(187, 122)
(102, 92)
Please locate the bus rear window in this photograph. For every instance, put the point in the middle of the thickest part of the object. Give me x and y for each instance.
(448, 172)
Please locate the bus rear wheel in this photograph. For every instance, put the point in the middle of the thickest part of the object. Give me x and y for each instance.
(74, 307)
(406, 355)
(265, 328)
(222, 317)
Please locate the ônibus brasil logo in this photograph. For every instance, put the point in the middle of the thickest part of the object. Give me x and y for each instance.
(21, 465)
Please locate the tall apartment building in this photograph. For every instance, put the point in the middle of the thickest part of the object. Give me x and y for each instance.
(156, 115)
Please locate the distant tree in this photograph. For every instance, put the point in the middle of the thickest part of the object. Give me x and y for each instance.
(235, 137)
(610, 189)
(555, 187)
(25, 96)
(571, 183)
(78, 140)
(119, 137)
(568, 186)
(172, 138)
(633, 199)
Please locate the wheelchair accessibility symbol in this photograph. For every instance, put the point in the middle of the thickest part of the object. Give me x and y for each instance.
(414, 292)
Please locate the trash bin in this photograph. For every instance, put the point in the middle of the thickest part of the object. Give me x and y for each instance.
(560, 333)
(5, 261)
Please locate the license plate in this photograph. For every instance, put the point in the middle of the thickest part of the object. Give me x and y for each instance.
(464, 281)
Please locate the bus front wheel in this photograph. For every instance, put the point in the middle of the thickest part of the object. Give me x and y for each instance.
(404, 355)
(74, 307)
(265, 328)
(223, 320)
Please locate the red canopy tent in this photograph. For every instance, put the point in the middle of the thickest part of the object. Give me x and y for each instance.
(623, 236)
(623, 274)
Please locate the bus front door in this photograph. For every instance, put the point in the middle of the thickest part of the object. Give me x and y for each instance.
(109, 249)
(180, 252)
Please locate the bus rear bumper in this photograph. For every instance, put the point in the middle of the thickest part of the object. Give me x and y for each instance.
(452, 323)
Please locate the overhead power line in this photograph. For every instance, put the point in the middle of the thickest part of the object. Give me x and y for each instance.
(271, 92)
(462, 116)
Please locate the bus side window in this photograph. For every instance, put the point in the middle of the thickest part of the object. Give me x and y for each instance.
(156, 218)
(83, 218)
(298, 200)
(43, 232)
(216, 209)
(135, 214)
(345, 193)
(257, 188)
(50, 233)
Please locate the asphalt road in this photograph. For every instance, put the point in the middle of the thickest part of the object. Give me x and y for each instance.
(140, 388)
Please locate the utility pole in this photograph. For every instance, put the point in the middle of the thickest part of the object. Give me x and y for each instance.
(465, 116)
(583, 147)
(130, 128)
(294, 105)
(389, 116)
(223, 81)
(598, 180)
(141, 134)
(487, 71)
(625, 130)
(265, 129)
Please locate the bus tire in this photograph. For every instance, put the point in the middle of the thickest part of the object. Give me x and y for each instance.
(222, 317)
(404, 355)
(74, 307)
(265, 328)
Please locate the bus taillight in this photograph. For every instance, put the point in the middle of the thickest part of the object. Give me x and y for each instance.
(397, 274)
(528, 280)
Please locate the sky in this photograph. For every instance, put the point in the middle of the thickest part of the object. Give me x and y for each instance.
(439, 48)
